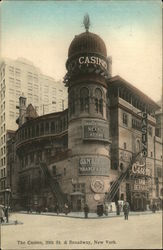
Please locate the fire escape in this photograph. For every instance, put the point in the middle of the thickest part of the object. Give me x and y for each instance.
(109, 197)
(54, 186)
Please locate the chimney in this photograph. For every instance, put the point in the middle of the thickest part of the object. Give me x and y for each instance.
(109, 59)
(22, 109)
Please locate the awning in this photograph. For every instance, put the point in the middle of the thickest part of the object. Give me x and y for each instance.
(77, 193)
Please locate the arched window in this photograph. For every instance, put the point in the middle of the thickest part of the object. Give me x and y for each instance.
(84, 99)
(138, 146)
(98, 101)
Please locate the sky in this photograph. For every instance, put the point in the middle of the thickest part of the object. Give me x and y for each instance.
(41, 31)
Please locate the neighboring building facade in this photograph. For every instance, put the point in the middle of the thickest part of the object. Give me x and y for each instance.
(17, 77)
(86, 148)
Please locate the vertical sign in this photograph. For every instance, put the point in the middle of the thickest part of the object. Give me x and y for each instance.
(144, 134)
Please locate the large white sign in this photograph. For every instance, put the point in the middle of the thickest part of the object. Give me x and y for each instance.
(92, 60)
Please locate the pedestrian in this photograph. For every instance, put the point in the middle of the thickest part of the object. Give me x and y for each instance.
(57, 208)
(100, 209)
(126, 208)
(154, 208)
(66, 208)
(6, 213)
(1, 214)
(105, 209)
(86, 210)
(117, 209)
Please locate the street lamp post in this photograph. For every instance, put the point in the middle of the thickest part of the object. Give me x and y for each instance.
(7, 191)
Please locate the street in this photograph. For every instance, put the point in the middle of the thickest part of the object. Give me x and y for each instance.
(56, 232)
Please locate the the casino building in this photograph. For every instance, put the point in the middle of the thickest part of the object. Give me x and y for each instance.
(77, 155)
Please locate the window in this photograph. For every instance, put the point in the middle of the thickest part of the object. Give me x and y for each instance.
(79, 187)
(151, 154)
(46, 127)
(37, 130)
(4, 161)
(150, 130)
(18, 84)
(121, 166)
(17, 72)
(136, 124)
(138, 145)
(11, 81)
(114, 165)
(98, 101)
(125, 145)
(11, 70)
(31, 157)
(84, 99)
(11, 91)
(159, 172)
(64, 171)
(125, 119)
(52, 127)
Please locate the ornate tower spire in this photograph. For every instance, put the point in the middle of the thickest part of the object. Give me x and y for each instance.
(86, 22)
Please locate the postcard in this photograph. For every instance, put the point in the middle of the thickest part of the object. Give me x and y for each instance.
(81, 124)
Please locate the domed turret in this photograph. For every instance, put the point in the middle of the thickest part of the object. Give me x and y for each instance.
(87, 42)
(87, 57)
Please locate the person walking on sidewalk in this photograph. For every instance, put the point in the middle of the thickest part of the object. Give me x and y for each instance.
(1, 214)
(126, 208)
(66, 208)
(153, 207)
(86, 210)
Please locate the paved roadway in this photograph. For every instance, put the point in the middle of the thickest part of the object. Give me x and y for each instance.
(56, 232)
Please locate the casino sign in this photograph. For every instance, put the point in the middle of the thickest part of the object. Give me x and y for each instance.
(87, 63)
(140, 169)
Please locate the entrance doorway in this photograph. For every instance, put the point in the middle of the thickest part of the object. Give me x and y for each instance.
(77, 201)
(139, 203)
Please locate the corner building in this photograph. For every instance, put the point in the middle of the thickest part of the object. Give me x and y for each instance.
(88, 147)
(88, 130)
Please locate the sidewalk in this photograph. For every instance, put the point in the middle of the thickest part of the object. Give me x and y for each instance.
(79, 215)
(11, 222)
(90, 215)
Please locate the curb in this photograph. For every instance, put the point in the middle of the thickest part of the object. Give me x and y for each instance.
(93, 217)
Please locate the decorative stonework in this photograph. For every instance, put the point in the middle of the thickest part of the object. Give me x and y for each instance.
(97, 186)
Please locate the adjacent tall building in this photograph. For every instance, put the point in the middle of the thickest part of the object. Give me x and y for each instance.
(19, 77)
